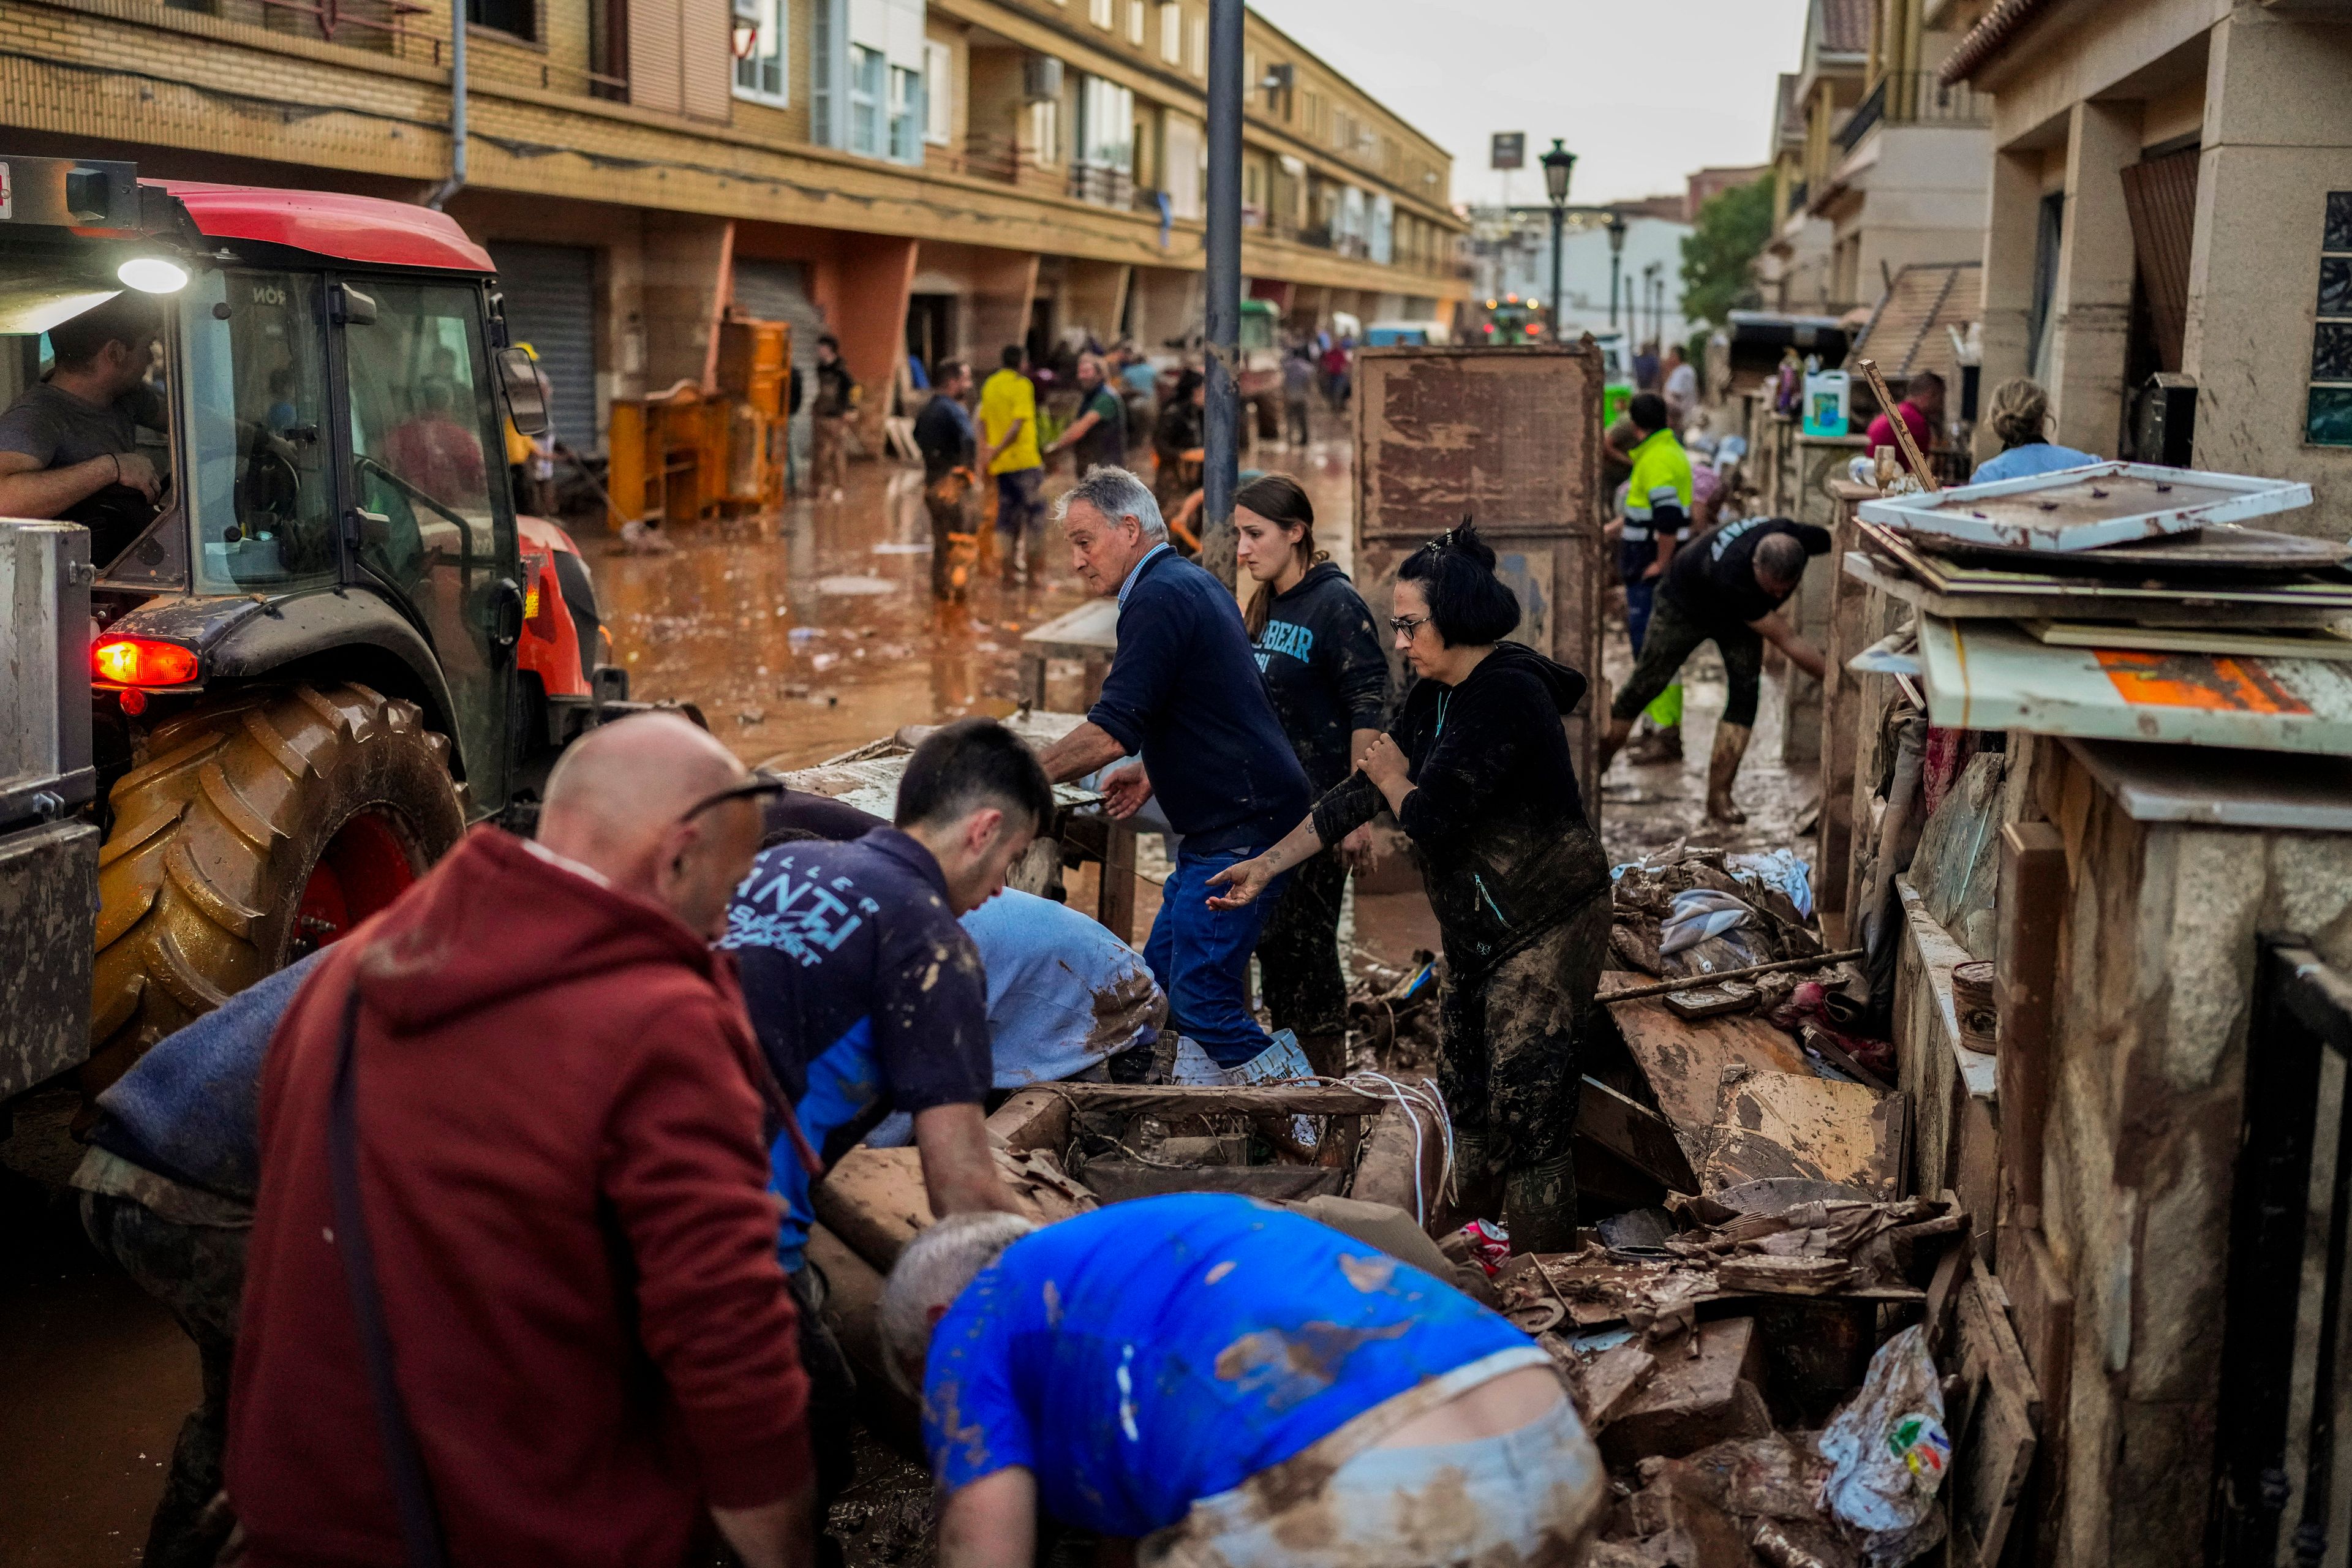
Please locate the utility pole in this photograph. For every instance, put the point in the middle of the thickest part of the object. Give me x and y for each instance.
(1221, 472)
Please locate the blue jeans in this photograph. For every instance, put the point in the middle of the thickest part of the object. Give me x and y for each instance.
(1200, 957)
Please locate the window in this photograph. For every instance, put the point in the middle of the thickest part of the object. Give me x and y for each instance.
(1171, 31)
(255, 353)
(824, 113)
(1045, 147)
(760, 74)
(519, 17)
(1105, 125)
(1199, 63)
(1099, 12)
(938, 93)
(906, 114)
(865, 84)
(2327, 417)
(1135, 23)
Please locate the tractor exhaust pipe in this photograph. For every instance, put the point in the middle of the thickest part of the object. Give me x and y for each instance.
(457, 180)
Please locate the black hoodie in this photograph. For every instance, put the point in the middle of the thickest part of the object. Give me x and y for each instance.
(1497, 821)
(1324, 670)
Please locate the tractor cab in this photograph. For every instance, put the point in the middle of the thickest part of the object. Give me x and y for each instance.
(326, 410)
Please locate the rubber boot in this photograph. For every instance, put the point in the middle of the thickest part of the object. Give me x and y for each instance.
(1661, 745)
(1539, 1206)
(1722, 767)
(1327, 1053)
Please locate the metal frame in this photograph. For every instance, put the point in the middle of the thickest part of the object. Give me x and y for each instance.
(2298, 1045)
(1960, 513)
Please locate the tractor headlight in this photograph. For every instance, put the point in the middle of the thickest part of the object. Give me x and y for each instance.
(153, 274)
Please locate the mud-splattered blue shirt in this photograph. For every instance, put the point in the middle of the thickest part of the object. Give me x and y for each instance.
(1147, 1356)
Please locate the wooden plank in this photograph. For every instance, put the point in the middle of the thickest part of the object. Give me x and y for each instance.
(1116, 908)
(2044, 1306)
(1948, 589)
(1635, 1134)
(1684, 1060)
(1841, 707)
(1032, 1118)
(1117, 1180)
(1993, 1420)
(2317, 643)
(2028, 918)
(1778, 1125)
(1281, 1100)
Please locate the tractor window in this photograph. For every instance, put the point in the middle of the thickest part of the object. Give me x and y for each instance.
(428, 466)
(262, 485)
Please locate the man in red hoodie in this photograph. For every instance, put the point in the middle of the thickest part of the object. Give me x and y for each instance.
(578, 1339)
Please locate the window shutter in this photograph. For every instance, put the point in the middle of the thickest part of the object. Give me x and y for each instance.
(654, 55)
(706, 40)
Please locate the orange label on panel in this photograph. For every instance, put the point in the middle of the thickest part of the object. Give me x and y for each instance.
(2209, 681)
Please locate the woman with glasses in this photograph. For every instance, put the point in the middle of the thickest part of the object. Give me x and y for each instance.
(1476, 770)
(1320, 651)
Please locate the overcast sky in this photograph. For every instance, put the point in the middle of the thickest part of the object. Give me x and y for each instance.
(1643, 90)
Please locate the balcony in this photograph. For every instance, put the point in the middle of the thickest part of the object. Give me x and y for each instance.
(1102, 187)
(1914, 98)
(1003, 159)
(386, 27)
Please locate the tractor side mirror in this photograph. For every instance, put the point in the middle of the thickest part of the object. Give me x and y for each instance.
(526, 391)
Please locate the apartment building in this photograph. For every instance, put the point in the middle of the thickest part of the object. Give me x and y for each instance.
(937, 178)
(2172, 196)
(1814, 104)
(1882, 162)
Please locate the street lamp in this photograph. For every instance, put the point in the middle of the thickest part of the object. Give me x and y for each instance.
(1649, 290)
(1616, 258)
(1558, 164)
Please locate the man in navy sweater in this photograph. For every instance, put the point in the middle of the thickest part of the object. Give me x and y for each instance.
(1184, 689)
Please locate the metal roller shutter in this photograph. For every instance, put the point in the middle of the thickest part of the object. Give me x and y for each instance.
(550, 302)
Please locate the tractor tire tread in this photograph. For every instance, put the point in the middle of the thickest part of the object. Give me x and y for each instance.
(217, 834)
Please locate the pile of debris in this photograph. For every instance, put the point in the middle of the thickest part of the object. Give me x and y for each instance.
(1773, 1374)
(1687, 910)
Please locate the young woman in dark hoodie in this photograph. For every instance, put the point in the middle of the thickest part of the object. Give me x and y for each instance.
(1476, 769)
(1321, 654)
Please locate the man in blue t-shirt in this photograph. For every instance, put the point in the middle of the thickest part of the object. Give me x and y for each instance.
(866, 993)
(1184, 691)
(1236, 1381)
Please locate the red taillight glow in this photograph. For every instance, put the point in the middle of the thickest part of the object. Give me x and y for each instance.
(141, 661)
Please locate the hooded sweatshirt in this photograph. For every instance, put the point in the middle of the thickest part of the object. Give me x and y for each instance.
(1324, 668)
(1495, 820)
(561, 1163)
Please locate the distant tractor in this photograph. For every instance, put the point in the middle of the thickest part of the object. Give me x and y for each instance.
(331, 644)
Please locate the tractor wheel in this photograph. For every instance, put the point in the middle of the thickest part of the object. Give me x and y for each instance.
(260, 827)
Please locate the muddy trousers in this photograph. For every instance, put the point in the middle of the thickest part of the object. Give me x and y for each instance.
(197, 1271)
(1669, 639)
(1299, 965)
(952, 540)
(1509, 1071)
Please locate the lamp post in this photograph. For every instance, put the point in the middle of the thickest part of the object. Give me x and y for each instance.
(1558, 164)
(1649, 288)
(1222, 334)
(1616, 259)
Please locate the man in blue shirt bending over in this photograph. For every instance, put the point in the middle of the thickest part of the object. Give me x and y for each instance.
(1184, 689)
(1232, 1385)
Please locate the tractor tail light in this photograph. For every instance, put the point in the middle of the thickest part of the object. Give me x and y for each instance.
(541, 598)
(142, 661)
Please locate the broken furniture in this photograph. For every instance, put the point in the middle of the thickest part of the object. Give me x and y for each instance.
(694, 450)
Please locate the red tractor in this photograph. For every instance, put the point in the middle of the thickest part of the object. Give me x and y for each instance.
(331, 644)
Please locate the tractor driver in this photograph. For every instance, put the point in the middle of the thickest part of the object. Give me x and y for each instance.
(68, 445)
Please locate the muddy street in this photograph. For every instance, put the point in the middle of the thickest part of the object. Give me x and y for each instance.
(798, 635)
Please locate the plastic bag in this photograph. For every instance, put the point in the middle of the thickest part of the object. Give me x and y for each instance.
(1699, 914)
(1887, 1452)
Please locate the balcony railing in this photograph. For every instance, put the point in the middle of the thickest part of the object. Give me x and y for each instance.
(1103, 188)
(1914, 97)
(1002, 159)
(379, 26)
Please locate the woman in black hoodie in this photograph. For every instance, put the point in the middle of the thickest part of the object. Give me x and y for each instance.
(1476, 769)
(1329, 681)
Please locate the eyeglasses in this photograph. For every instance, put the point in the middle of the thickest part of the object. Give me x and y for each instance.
(1406, 626)
(758, 787)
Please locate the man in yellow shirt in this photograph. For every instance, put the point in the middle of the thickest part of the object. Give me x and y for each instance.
(1008, 434)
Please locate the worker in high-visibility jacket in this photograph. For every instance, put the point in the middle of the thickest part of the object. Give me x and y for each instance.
(1658, 518)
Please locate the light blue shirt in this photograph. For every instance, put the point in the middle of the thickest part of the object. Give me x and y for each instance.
(1138, 571)
(2024, 462)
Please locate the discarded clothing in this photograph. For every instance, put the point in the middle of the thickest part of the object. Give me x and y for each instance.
(1699, 914)
(1140, 1358)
